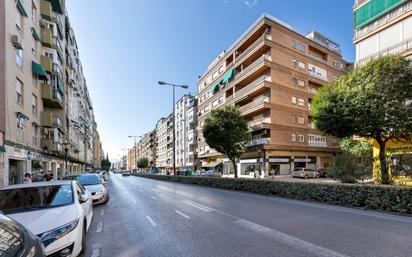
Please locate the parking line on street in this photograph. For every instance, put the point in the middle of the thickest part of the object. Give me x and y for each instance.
(151, 221)
(291, 241)
(182, 214)
(99, 227)
(154, 198)
(198, 206)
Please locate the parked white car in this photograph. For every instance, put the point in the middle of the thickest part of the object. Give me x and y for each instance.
(58, 212)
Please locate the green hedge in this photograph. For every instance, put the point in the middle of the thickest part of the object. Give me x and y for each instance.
(385, 198)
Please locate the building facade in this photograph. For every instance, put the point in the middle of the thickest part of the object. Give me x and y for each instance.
(46, 115)
(186, 132)
(272, 74)
(385, 28)
(163, 143)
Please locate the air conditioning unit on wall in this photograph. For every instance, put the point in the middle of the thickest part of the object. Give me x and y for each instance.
(16, 41)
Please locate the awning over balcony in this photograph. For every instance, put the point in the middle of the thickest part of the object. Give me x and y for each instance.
(61, 86)
(215, 87)
(21, 8)
(2, 149)
(22, 115)
(35, 34)
(38, 69)
(227, 76)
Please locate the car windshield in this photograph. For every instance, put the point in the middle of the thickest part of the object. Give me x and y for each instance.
(87, 180)
(32, 198)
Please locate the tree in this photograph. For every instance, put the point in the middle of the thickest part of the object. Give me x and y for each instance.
(106, 164)
(372, 101)
(143, 163)
(227, 132)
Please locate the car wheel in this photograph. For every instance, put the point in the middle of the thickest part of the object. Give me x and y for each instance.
(107, 199)
(306, 176)
(84, 238)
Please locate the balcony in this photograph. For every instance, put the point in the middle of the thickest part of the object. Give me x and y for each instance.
(258, 123)
(46, 37)
(51, 97)
(317, 144)
(316, 58)
(49, 145)
(57, 45)
(47, 63)
(396, 49)
(57, 69)
(258, 141)
(317, 75)
(252, 87)
(50, 120)
(253, 65)
(46, 10)
(252, 48)
(255, 105)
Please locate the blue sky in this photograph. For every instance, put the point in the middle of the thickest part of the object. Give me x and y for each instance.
(126, 46)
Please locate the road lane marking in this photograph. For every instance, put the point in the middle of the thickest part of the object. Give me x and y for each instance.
(154, 198)
(198, 206)
(96, 250)
(291, 241)
(182, 214)
(99, 227)
(151, 221)
(101, 212)
(140, 190)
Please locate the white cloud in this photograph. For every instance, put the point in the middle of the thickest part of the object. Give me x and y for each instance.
(250, 3)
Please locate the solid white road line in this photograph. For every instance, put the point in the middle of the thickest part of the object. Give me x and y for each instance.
(151, 221)
(154, 198)
(198, 206)
(291, 241)
(182, 214)
(99, 227)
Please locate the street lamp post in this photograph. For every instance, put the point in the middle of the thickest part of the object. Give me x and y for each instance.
(67, 145)
(135, 150)
(174, 127)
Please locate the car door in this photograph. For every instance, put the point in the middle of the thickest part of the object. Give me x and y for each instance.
(86, 206)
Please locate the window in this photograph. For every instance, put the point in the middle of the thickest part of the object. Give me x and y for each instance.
(293, 137)
(301, 102)
(34, 105)
(215, 75)
(221, 99)
(302, 47)
(301, 138)
(19, 91)
(335, 64)
(301, 65)
(294, 119)
(33, 47)
(33, 13)
(294, 62)
(19, 20)
(301, 120)
(20, 58)
(221, 69)
(294, 99)
(295, 81)
(215, 103)
(34, 134)
(294, 44)
(20, 128)
(301, 83)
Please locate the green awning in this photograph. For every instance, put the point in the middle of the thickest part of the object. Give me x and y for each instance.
(215, 87)
(2, 149)
(35, 34)
(227, 75)
(38, 69)
(61, 86)
(22, 115)
(21, 8)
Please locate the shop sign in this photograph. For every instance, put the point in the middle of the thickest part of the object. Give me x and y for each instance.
(302, 160)
(251, 160)
(278, 160)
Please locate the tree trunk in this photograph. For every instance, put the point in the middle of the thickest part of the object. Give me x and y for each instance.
(382, 160)
(234, 167)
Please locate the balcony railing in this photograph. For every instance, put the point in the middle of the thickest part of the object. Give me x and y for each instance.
(57, 45)
(57, 69)
(312, 90)
(317, 75)
(394, 50)
(254, 103)
(259, 122)
(317, 144)
(252, 47)
(316, 58)
(384, 19)
(252, 86)
(258, 141)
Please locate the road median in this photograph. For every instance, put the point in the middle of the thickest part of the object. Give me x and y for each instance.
(395, 199)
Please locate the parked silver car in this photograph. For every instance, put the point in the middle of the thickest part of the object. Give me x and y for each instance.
(305, 173)
(94, 184)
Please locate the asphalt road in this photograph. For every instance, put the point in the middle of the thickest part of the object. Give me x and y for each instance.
(154, 218)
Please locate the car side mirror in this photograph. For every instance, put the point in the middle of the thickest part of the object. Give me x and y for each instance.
(84, 198)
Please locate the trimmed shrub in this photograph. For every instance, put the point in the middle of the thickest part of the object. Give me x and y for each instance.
(378, 197)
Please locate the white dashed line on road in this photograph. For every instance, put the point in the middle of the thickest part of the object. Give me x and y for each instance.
(99, 227)
(151, 221)
(154, 198)
(182, 214)
(96, 250)
(101, 212)
(286, 239)
(199, 206)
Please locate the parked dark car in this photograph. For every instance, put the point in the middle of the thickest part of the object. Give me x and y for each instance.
(17, 241)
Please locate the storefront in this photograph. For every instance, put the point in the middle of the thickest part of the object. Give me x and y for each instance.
(305, 162)
(249, 168)
(279, 166)
(17, 162)
(400, 155)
